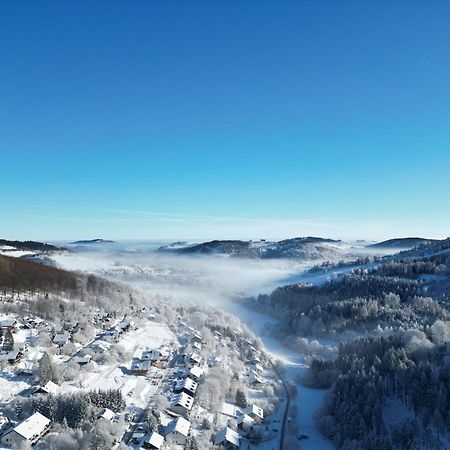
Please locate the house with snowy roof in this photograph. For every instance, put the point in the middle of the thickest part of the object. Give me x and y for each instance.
(61, 339)
(255, 379)
(254, 412)
(178, 430)
(47, 388)
(194, 358)
(9, 324)
(14, 356)
(194, 372)
(29, 431)
(106, 414)
(83, 360)
(139, 367)
(155, 441)
(187, 385)
(245, 422)
(227, 438)
(181, 403)
(100, 347)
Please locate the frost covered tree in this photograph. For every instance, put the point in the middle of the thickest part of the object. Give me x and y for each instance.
(8, 341)
(440, 331)
(241, 398)
(46, 371)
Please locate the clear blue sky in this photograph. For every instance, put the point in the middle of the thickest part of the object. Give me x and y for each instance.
(161, 119)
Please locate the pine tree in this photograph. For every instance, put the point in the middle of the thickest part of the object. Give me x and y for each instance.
(46, 370)
(8, 341)
(241, 399)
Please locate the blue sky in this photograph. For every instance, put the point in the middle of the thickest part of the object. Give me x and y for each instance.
(187, 119)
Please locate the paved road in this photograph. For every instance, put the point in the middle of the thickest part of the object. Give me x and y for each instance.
(286, 406)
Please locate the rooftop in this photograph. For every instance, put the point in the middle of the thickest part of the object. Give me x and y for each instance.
(34, 425)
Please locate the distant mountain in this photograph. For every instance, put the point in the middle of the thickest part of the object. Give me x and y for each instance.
(237, 248)
(31, 246)
(302, 247)
(92, 241)
(401, 243)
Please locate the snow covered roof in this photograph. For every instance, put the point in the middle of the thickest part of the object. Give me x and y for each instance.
(227, 435)
(13, 354)
(141, 365)
(179, 425)
(106, 414)
(230, 410)
(83, 359)
(156, 440)
(34, 425)
(61, 338)
(8, 323)
(254, 410)
(182, 399)
(197, 335)
(252, 379)
(244, 418)
(257, 367)
(102, 345)
(188, 383)
(196, 371)
(195, 357)
(49, 388)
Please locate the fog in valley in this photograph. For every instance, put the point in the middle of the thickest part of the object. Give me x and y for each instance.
(203, 279)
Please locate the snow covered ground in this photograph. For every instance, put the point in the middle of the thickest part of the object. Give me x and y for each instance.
(307, 400)
(214, 281)
(136, 389)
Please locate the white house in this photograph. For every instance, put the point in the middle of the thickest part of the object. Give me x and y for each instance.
(178, 430)
(61, 339)
(254, 411)
(194, 358)
(10, 324)
(14, 356)
(139, 367)
(101, 347)
(181, 403)
(4, 423)
(230, 410)
(187, 385)
(257, 368)
(227, 437)
(197, 337)
(83, 360)
(245, 422)
(194, 372)
(48, 388)
(106, 414)
(155, 441)
(29, 431)
(255, 379)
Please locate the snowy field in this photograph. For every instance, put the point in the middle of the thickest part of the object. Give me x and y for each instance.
(136, 389)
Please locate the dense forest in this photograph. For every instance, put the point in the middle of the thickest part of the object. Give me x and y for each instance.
(392, 317)
(30, 288)
(31, 246)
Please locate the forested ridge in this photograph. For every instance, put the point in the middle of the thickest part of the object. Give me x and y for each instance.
(58, 295)
(31, 246)
(399, 307)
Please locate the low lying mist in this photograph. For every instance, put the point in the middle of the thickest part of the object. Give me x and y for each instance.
(204, 279)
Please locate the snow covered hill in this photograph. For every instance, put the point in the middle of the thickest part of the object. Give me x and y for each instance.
(305, 248)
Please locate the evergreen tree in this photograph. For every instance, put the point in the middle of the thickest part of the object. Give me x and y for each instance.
(241, 398)
(8, 341)
(46, 370)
